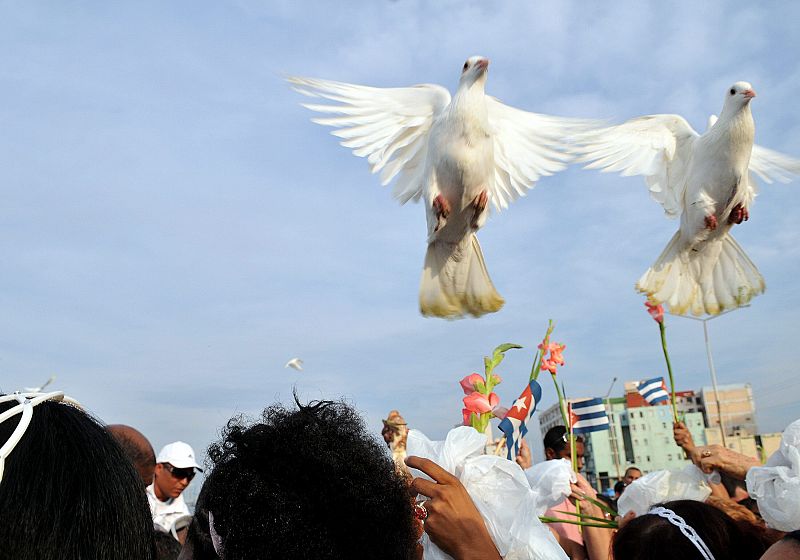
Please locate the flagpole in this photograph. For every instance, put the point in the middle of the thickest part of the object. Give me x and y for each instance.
(613, 435)
(711, 368)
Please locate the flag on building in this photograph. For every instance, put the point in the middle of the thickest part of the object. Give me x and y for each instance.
(513, 425)
(588, 416)
(654, 390)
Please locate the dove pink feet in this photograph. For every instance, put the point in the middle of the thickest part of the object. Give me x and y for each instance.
(738, 215)
(711, 222)
(442, 209)
(479, 204)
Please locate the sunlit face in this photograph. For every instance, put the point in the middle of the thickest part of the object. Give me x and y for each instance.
(631, 475)
(170, 482)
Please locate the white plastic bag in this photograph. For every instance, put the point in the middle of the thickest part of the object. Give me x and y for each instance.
(498, 488)
(551, 482)
(776, 486)
(664, 486)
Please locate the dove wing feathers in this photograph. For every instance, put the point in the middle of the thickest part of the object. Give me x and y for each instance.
(659, 147)
(773, 166)
(527, 146)
(388, 126)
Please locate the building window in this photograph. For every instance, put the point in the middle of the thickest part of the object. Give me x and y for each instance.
(648, 458)
(640, 414)
(669, 457)
(645, 441)
(635, 442)
(664, 425)
(643, 427)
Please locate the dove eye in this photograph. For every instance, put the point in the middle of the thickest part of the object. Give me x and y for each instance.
(733, 91)
(466, 65)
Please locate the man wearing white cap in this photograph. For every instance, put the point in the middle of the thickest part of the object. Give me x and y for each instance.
(175, 469)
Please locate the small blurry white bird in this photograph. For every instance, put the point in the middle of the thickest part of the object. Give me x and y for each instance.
(41, 387)
(456, 154)
(706, 179)
(295, 363)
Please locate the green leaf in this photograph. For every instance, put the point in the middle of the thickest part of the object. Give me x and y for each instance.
(505, 347)
(487, 364)
(480, 386)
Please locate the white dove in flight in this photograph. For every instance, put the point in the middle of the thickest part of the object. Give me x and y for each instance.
(295, 363)
(456, 154)
(709, 181)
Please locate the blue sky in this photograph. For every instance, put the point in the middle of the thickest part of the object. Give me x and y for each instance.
(175, 229)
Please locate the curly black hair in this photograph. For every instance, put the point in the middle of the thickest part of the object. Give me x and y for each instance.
(309, 482)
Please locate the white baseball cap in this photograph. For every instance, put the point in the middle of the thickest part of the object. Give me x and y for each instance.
(178, 454)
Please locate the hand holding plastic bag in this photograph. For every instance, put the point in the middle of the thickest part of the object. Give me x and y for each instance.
(499, 490)
(776, 486)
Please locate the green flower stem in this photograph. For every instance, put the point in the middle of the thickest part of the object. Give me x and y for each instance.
(663, 329)
(609, 525)
(560, 401)
(589, 517)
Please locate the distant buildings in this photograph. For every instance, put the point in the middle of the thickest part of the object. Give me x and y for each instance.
(641, 435)
(738, 410)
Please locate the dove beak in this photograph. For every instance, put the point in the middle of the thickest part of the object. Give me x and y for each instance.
(483, 64)
(749, 94)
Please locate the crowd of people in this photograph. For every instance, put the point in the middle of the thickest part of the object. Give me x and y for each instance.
(311, 481)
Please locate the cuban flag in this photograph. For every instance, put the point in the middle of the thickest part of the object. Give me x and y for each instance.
(513, 425)
(654, 390)
(588, 416)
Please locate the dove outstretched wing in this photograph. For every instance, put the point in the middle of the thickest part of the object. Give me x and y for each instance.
(388, 126)
(527, 146)
(658, 147)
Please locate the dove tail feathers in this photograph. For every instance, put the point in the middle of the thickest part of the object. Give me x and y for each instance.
(455, 281)
(715, 276)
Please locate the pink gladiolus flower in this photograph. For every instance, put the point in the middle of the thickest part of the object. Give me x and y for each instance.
(555, 353)
(549, 365)
(467, 413)
(655, 311)
(468, 383)
(479, 403)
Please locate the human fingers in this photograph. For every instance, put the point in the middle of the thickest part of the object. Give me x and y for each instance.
(430, 468)
(424, 487)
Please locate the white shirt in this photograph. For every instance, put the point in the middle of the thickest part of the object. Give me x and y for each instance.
(166, 513)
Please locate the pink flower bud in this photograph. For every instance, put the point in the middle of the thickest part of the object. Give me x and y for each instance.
(468, 383)
(655, 311)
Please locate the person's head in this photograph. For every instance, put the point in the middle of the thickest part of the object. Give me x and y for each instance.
(309, 482)
(657, 535)
(67, 490)
(175, 469)
(619, 488)
(788, 548)
(556, 445)
(631, 474)
(137, 449)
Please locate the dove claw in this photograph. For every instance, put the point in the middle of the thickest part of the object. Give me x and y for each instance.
(479, 203)
(711, 222)
(441, 209)
(738, 215)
